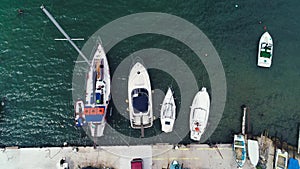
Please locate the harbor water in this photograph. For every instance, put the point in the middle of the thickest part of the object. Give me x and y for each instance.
(36, 71)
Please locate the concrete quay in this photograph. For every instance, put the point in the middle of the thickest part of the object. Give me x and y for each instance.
(194, 156)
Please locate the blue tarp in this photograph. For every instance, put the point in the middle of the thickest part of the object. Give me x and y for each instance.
(140, 100)
(293, 164)
(93, 118)
(140, 103)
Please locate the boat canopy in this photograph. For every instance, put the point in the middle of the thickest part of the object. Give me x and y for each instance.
(199, 114)
(140, 100)
(266, 50)
(293, 164)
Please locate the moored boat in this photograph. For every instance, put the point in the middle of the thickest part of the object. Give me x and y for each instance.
(140, 97)
(199, 114)
(97, 92)
(281, 159)
(175, 165)
(253, 152)
(239, 147)
(265, 50)
(79, 114)
(168, 112)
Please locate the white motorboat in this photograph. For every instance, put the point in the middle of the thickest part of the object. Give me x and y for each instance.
(168, 112)
(265, 50)
(253, 152)
(239, 147)
(140, 97)
(199, 114)
(98, 86)
(281, 159)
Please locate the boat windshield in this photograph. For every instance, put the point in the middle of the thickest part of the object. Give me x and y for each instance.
(239, 143)
(265, 50)
(168, 113)
(199, 114)
(140, 100)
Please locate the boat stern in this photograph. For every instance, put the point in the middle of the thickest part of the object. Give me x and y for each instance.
(196, 136)
(264, 62)
(167, 126)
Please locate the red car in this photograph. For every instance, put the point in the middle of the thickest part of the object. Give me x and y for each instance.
(137, 163)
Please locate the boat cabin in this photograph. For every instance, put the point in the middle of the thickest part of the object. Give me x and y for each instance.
(140, 100)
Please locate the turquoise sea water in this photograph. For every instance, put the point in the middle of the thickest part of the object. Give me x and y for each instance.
(36, 71)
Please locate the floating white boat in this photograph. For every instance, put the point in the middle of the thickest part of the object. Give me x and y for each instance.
(265, 50)
(140, 97)
(281, 159)
(168, 112)
(199, 114)
(239, 147)
(79, 114)
(97, 92)
(253, 152)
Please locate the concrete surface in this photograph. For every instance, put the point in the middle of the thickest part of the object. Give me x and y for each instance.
(196, 156)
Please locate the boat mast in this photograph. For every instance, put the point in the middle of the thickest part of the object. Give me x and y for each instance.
(64, 33)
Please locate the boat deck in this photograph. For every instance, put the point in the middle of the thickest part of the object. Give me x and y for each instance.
(95, 114)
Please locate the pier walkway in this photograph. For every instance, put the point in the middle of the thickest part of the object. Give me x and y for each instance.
(195, 156)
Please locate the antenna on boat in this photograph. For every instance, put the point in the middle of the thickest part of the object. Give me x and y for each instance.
(64, 33)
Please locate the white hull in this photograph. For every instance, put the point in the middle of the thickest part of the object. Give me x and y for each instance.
(281, 159)
(140, 97)
(199, 114)
(98, 86)
(79, 114)
(265, 50)
(168, 112)
(253, 152)
(239, 147)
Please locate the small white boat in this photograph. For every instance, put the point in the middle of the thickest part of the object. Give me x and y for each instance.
(253, 152)
(140, 97)
(79, 114)
(281, 159)
(199, 114)
(98, 86)
(265, 50)
(239, 147)
(168, 112)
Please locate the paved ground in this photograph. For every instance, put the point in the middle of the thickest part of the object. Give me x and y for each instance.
(119, 157)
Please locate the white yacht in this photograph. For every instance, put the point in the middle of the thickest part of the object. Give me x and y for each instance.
(168, 112)
(199, 114)
(98, 86)
(140, 97)
(265, 50)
